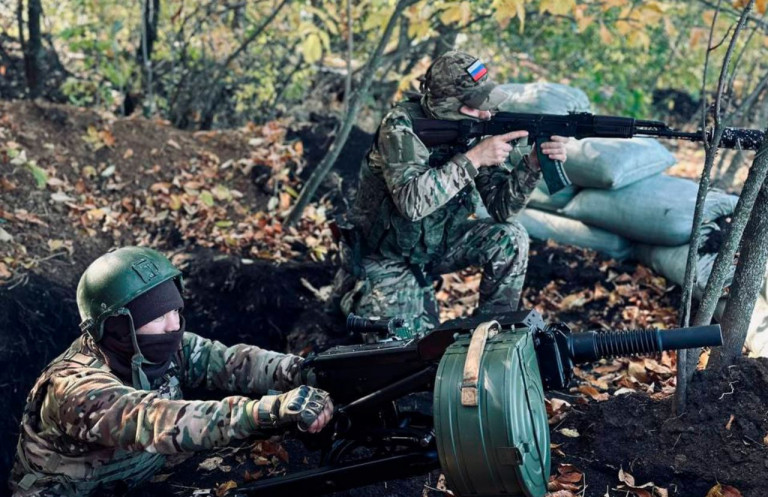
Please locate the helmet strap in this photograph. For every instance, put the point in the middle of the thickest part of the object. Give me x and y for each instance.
(138, 376)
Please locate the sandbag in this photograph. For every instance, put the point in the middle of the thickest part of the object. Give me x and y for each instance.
(757, 336)
(544, 98)
(655, 211)
(546, 226)
(670, 262)
(610, 163)
(540, 199)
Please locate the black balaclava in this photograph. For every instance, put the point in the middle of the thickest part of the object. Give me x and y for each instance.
(151, 355)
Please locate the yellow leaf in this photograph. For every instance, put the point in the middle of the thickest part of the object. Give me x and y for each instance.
(505, 10)
(582, 21)
(175, 202)
(457, 12)
(669, 27)
(639, 38)
(222, 489)
(605, 34)
(610, 4)
(760, 6)
(312, 49)
(570, 432)
(708, 17)
(206, 198)
(696, 36)
(557, 7)
(624, 27)
(419, 29)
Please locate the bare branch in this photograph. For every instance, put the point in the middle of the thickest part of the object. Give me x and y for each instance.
(349, 119)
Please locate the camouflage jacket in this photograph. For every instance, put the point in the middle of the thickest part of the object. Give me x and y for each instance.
(84, 431)
(411, 197)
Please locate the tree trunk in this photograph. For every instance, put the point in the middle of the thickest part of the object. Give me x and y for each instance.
(33, 53)
(150, 14)
(750, 272)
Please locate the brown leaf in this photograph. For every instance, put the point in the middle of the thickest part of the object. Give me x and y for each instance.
(223, 488)
(720, 490)
(248, 476)
(5, 273)
(593, 392)
(569, 473)
(730, 422)
(107, 137)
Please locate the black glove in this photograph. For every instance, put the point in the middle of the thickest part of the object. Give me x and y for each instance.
(301, 405)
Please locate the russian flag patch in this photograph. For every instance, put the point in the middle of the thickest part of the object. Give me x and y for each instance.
(477, 70)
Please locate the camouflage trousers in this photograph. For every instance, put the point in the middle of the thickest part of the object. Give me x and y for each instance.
(393, 288)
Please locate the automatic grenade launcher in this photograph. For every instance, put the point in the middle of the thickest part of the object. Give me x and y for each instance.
(467, 398)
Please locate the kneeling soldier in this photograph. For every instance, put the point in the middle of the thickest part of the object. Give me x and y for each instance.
(103, 415)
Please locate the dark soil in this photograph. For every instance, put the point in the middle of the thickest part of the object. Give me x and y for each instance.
(687, 455)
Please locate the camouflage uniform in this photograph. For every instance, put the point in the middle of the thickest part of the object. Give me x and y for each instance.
(412, 212)
(84, 431)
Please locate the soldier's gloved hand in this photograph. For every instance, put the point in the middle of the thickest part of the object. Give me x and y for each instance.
(493, 150)
(310, 408)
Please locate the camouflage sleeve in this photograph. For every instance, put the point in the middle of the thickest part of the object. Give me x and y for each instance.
(94, 406)
(417, 189)
(241, 368)
(505, 191)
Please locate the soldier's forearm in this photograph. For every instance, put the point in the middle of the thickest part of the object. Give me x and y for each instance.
(99, 409)
(241, 368)
(505, 193)
(422, 194)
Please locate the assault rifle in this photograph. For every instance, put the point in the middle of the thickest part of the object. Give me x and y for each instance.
(579, 125)
(467, 397)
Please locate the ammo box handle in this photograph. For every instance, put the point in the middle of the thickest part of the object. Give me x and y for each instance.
(481, 334)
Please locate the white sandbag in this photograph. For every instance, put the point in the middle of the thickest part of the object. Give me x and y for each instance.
(544, 98)
(546, 226)
(757, 336)
(610, 163)
(655, 211)
(540, 199)
(670, 262)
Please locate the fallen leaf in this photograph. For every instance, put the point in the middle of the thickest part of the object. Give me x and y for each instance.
(214, 463)
(570, 432)
(720, 490)
(61, 197)
(223, 488)
(5, 273)
(593, 393)
(174, 144)
(41, 177)
(730, 422)
(624, 391)
(248, 476)
(5, 236)
(128, 154)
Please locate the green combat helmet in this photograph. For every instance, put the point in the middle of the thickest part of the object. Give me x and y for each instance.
(458, 78)
(115, 279)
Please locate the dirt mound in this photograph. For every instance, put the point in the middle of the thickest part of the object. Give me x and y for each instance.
(721, 438)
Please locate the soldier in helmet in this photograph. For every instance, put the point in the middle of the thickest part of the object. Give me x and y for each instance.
(104, 414)
(411, 218)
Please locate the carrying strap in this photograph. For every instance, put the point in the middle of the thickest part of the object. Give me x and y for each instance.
(481, 334)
